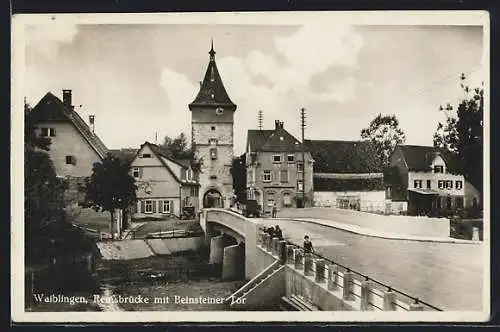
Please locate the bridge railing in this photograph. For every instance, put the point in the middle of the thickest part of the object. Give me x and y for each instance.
(354, 287)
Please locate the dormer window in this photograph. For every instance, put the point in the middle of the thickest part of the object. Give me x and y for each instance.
(219, 110)
(439, 169)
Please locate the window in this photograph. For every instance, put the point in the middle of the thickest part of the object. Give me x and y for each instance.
(187, 201)
(189, 174)
(213, 153)
(135, 172)
(70, 160)
(166, 207)
(44, 132)
(287, 199)
(267, 176)
(146, 155)
(449, 184)
(277, 158)
(212, 128)
(441, 184)
(300, 166)
(458, 184)
(417, 184)
(219, 110)
(428, 184)
(300, 186)
(439, 169)
(388, 193)
(459, 202)
(212, 141)
(290, 158)
(284, 176)
(148, 207)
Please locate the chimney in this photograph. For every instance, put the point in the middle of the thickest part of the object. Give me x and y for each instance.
(67, 98)
(276, 124)
(282, 124)
(91, 122)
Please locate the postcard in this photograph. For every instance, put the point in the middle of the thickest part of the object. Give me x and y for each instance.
(234, 167)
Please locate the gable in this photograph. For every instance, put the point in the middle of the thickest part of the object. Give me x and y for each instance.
(281, 140)
(51, 109)
(153, 160)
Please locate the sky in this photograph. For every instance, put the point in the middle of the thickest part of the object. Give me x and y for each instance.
(138, 79)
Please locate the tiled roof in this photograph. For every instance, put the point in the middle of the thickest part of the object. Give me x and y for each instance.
(344, 157)
(50, 108)
(278, 140)
(419, 158)
(212, 91)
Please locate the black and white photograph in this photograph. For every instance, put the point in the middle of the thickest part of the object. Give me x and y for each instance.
(229, 167)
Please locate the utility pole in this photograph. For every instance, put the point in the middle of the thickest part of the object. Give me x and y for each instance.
(260, 119)
(303, 126)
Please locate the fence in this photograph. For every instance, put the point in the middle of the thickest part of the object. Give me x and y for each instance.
(356, 287)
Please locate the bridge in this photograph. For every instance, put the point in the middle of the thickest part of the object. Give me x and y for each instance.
(281, 273)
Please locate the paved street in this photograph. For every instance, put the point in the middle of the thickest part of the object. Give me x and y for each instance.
(443, 274)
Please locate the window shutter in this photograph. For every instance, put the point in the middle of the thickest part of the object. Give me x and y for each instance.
(160, 206)
(142, 206)
(140, 172)
(154, 206)
(171, 207)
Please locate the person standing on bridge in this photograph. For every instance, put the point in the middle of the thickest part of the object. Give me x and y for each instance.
(308, 246)
(274, 210)
(278, 233)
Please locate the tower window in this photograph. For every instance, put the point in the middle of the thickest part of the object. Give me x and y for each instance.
(219, 111)
(213, 127)
(213, 153)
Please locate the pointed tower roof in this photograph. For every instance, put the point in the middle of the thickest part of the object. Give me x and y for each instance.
(212, 91)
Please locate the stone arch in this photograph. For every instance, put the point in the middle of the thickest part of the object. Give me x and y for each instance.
(213, 198)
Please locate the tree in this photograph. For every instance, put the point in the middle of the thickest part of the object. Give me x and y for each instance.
(43, 192)
(385, 134)
(177, 148)
(110, 187)
(239, 173)
(462, 134)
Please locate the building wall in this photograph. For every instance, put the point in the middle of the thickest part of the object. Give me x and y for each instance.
(276, 188)
(214, 174)
(434, 178)
(155, 183)
(399, 193)
(369, 200)
(69, 142)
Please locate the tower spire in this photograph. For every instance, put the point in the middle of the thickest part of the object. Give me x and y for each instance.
(212, 52)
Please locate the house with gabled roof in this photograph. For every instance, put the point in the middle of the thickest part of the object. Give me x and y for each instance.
(426, 180)
(276, 172)
(75, 147)
(347, 174)
(165, 187)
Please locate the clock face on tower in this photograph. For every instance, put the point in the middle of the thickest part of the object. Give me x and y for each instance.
(219, 111)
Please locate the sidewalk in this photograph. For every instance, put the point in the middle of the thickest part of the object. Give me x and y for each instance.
(379, 234)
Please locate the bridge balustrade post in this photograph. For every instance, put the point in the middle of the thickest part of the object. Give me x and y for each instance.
(282, 251)
(320, 270)
(416, 306)
(308, 264)
(332, 277)
(274, 245)
(298, 254)
(366, 295)
(389, 297)
(347, 291)
(267, 241)
(289, 254)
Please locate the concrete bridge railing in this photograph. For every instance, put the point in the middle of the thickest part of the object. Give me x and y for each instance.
(277, 269)
(357, 291)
